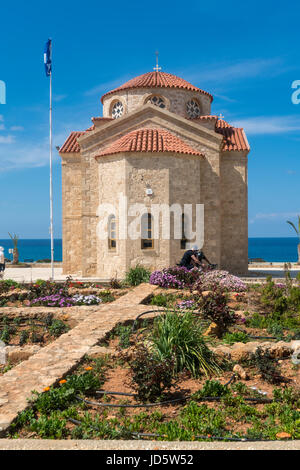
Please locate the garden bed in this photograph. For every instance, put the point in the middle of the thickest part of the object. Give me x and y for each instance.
(212, 359)
(52, 294)
(24, 337)
(211, 406)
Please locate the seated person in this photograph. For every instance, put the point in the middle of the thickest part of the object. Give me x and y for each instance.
(193, 258)
(201, 257)
(2, 261)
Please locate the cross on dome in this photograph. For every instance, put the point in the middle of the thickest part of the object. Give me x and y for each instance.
(156, 68)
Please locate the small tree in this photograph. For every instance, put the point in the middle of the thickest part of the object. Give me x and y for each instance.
(297, 230)
(15, 239)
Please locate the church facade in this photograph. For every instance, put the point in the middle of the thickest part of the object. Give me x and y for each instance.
(156, 144)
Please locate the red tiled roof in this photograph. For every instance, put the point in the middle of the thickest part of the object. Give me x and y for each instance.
(71, 144)
(205, 118)
(234, 138)
(149, 140)
(102, 119)
(157, 80)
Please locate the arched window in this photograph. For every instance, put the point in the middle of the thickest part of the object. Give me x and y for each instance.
(117, 110)
(157, 101)
(183, 240)
(112, 233)
(146, 231)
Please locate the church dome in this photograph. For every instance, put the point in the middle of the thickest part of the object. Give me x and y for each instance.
(157, 80)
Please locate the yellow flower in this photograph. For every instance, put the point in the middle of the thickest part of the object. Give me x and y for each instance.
(62, 381)
(88, 368)
(46, 389)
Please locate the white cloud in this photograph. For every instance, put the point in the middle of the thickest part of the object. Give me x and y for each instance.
(57, 98)
(262, 125)
(16, 128)
(243, 69)
(7, 139)
(108, 86)
(274, 215)
(225, 98)
(32, 154)
(2, 127)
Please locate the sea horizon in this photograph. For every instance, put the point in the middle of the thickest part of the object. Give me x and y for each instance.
(270, 249)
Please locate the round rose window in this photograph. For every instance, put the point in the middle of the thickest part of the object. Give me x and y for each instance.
(117, 110)
(193, 109)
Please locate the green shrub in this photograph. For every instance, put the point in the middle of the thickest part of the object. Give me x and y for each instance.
(214, 307)
(123, 332)
(287, 395)
(274, 320)
(5, 335)
(212, 388)
(180, 336)
(137, 275)
(62, 397)
(237, 337)
(40, 282)
(162, 300)
(263, 361)
(23, 337)
(106, 296)
(57, 328)
(6, 284)
(36, 337)
(49, 427)
(151, 375)
(276, 330)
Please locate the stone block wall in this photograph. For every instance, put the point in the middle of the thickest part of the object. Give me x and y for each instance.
(176, 100)
(234, 212)
(71, 213)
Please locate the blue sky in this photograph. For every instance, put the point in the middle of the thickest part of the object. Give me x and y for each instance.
(245, 53)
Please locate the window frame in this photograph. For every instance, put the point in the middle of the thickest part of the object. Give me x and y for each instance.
(112, 233)
(149, 240)
(150, 98)
(113, 104)
(199, 106)
(184, 240)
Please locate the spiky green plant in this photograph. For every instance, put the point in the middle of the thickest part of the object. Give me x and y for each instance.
(297, 230)
(137, 275)
(15, 239)
(180, 336)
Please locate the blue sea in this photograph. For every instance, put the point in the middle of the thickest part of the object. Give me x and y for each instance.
(269, 249)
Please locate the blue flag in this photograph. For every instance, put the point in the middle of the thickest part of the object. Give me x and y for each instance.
(48, 57)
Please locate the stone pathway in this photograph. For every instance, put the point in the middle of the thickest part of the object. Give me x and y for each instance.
(56, 360)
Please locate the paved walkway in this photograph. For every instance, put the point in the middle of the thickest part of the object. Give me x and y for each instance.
(43, 444)
(56, 360)
(33, 273)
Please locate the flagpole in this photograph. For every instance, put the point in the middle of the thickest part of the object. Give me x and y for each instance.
(51, 184)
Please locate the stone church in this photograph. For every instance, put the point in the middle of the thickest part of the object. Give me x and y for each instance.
(157, 143)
